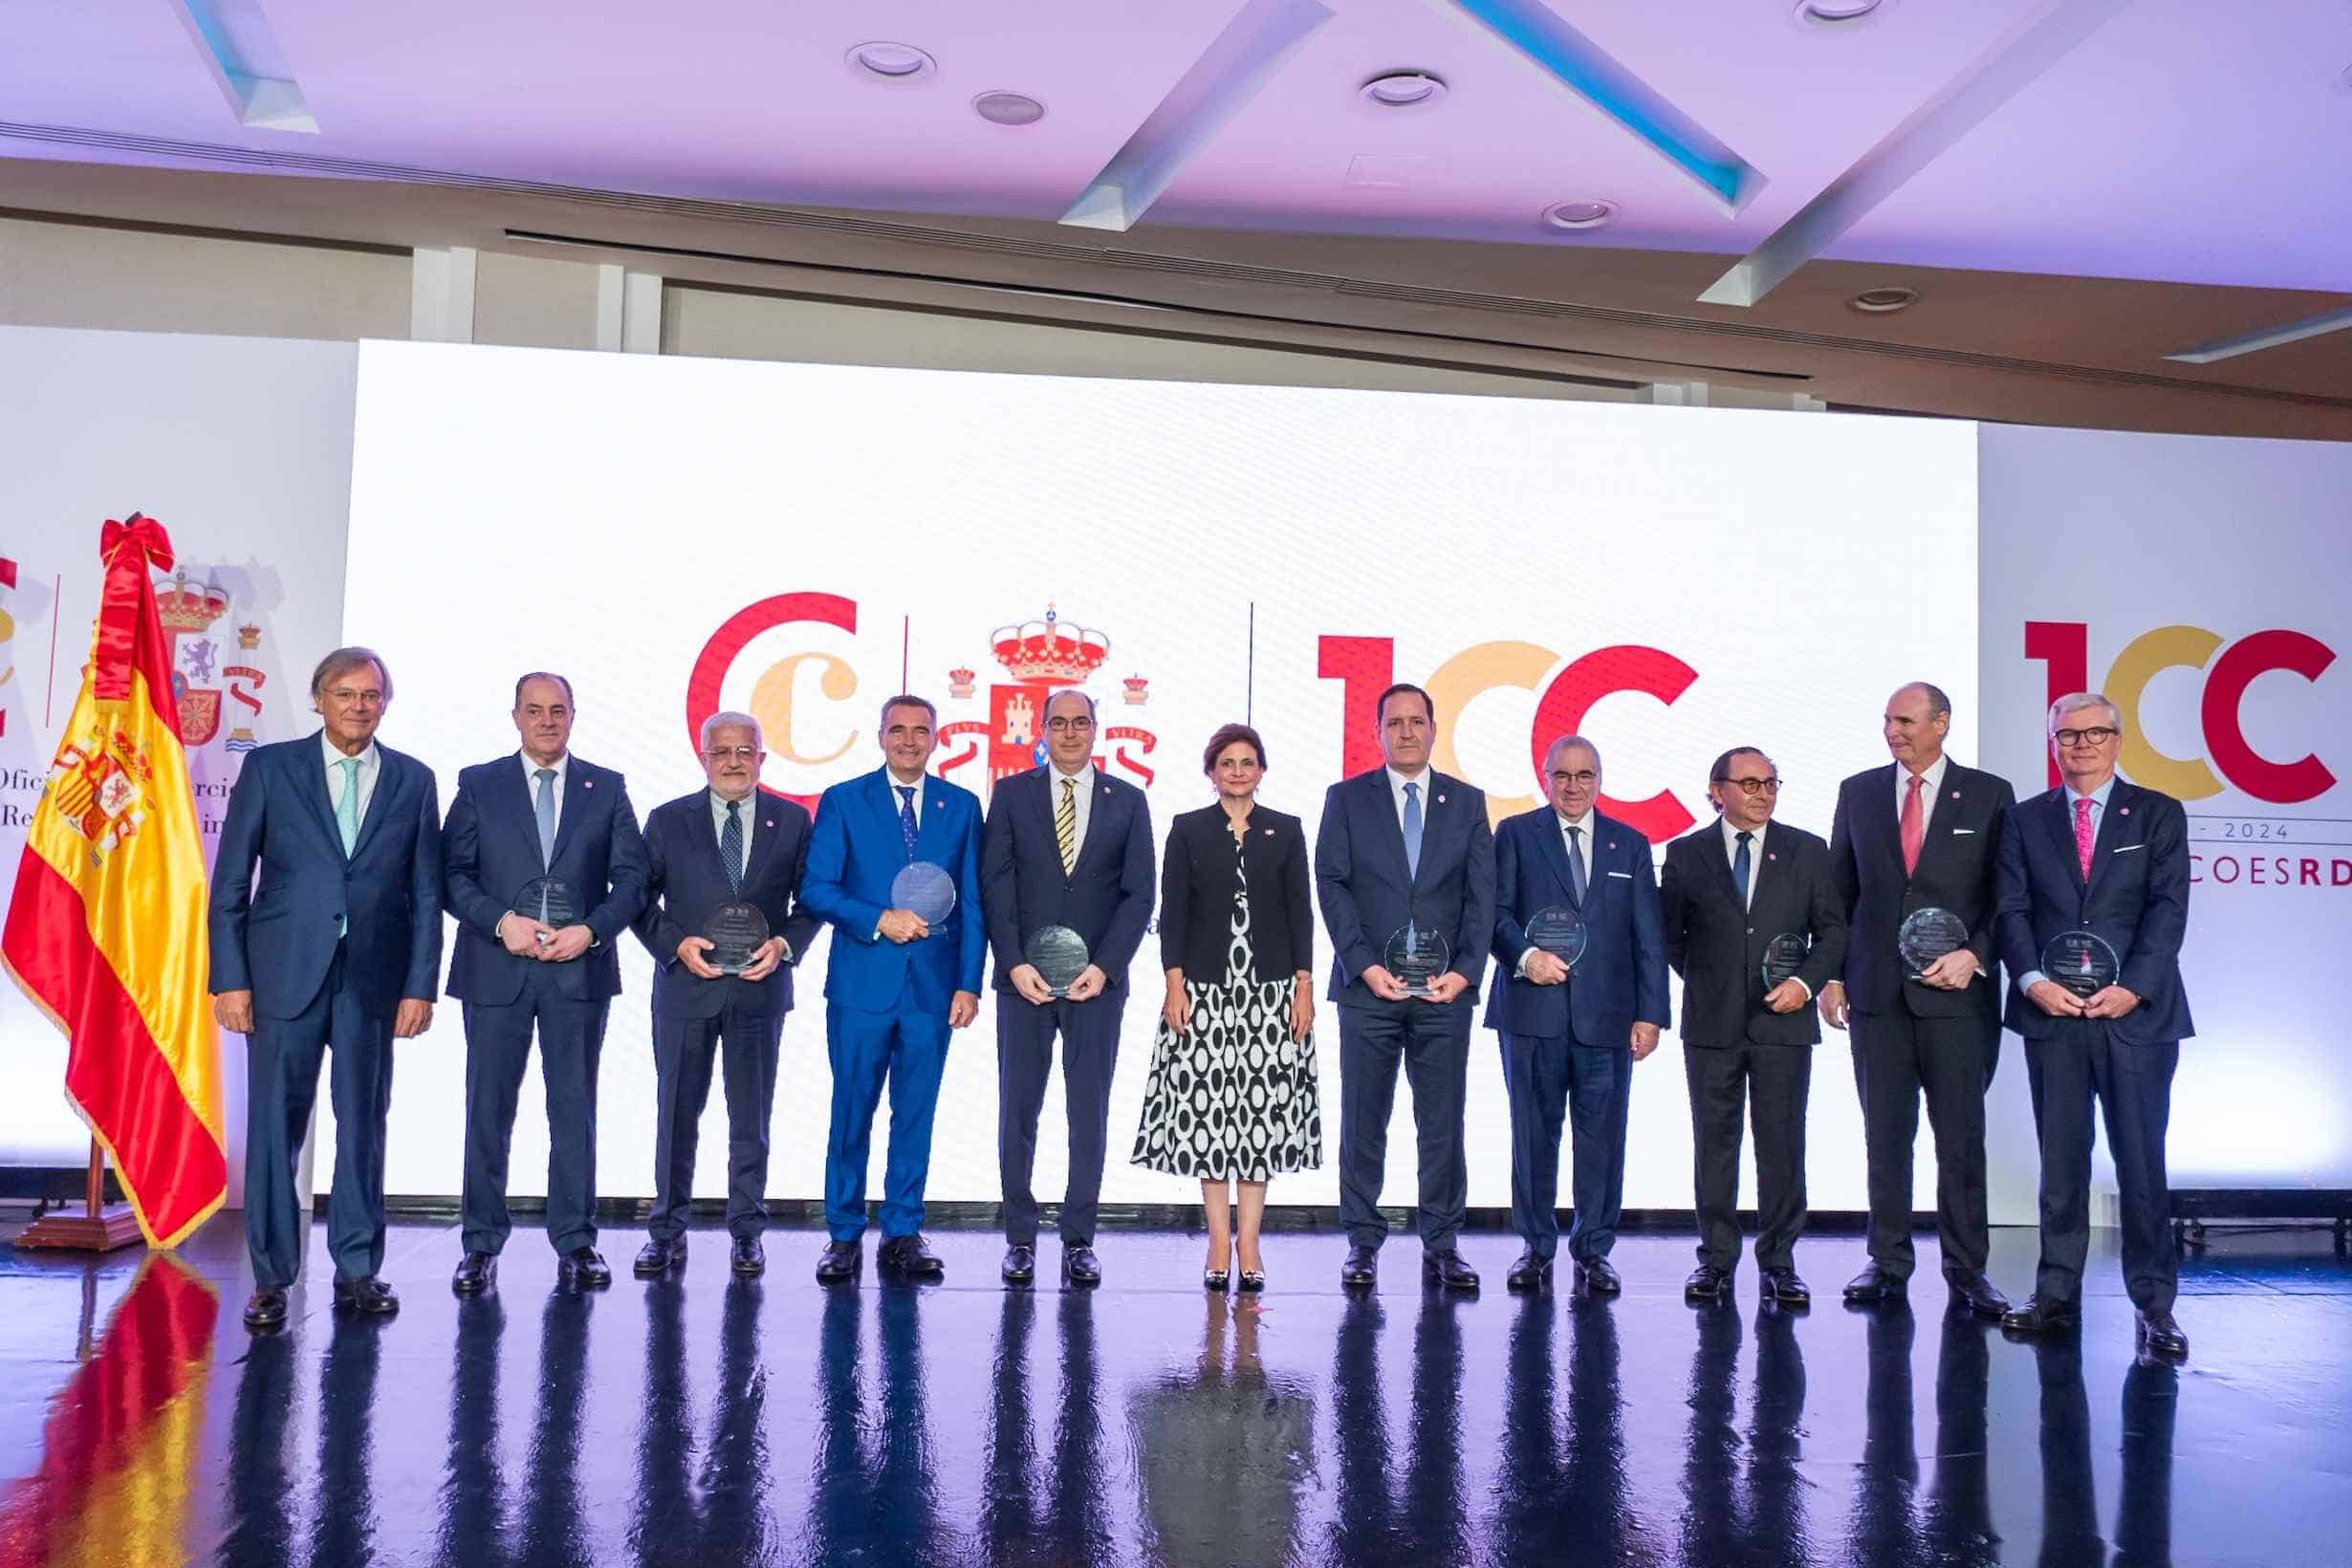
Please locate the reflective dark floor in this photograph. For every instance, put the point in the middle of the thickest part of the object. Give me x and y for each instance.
(707, 1421)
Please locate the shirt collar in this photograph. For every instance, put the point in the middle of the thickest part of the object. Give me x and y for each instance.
(1933, 773)
(1731, 834)
(1582, 823)
(1396, 781)
(531, 770)
(2098, 797)
(1053, 769)
(366, 759)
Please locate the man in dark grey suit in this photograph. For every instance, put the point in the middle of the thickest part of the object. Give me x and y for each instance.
(1405, 845)
(337, 944)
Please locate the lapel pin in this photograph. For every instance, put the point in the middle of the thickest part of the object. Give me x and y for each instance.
(2123, 811)
(1770, 856)
(767, 822)
(1440, 799)
(1955, 795)
(1268, 832)
(587, 783)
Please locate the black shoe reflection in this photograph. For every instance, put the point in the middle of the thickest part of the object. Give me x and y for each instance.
(2144, 1518)
(556, 1513)
(261, 1494)
(1959, 1513)
(345, 1527)
(2069, 1489)
(1884, 1528)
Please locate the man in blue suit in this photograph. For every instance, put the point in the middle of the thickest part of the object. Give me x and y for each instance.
(1570, 1036)
(2099, 866)
(540, 813)
(338, 945)
(1405, 845)
(895, 984)
(724, 844)
(1066, 846)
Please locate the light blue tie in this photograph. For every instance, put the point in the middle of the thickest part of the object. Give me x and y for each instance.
(1576, 867)
(545, 807)
(1412, 830)
(347, 808)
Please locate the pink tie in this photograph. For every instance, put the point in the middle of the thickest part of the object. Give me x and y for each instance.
(1913, 831)
(2082, 835)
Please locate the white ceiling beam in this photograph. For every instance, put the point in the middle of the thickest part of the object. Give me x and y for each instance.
(2038, 40)
(2254, 342)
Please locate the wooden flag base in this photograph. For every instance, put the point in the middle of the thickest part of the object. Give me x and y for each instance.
(100, 1228)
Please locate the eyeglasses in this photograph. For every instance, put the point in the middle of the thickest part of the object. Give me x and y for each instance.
(1584, 780)
(1062, 724)
(364, 699)
(2097, 735)
(1754, 786)
(738, 754)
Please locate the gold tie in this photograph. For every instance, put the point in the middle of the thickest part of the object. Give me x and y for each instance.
(1065, 826)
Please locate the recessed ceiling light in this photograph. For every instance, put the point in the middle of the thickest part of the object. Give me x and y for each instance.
(1576, 217)
(1008, 108)
(1885, 301)
(890, 62)
(1839, 14)
(1402, 89)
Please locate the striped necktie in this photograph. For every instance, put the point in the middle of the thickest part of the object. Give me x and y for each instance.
(1065, 826)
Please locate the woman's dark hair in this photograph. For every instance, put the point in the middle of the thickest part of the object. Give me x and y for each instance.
(1226, 735)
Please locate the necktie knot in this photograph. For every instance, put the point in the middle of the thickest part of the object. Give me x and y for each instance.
(544, 774)
(1746, 839)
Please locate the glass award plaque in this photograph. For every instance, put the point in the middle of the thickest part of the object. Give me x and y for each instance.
(1417, 956)
(550, 901)
(736, 932)
(1926, 935)
(1783, 956)
(1059, 955)
(925, 891)
(2080, 961)
(1559, 931)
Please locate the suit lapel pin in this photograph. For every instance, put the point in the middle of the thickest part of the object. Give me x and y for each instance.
(2123, 811)
(587, 783)
(1770, 856)
(1440, 799)
(767, 822)
(1268, 832)
(1955, 795)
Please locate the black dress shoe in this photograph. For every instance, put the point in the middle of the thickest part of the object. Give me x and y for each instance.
(1078, 1264)
(1361, 1267)
(2039, 1317)
(1530, 1272)
(1979, 1295)
(1707, 1283)
(370, 1297)
(658, 1256)
(476, 1273)
(1598, 1276)
(841, 1262)
(1874, 1285)
(1783, 1286)
(747, 1257)
(265, 1311)
(2160, 1335)
(1448, 1271)
(910, 1256)
(582, 1269)
(1019, 1267)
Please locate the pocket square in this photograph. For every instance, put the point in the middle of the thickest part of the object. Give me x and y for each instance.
(1962, 833)
(1627, 875)
(2125, 849)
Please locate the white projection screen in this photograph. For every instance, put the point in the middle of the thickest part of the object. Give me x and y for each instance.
(803, 541)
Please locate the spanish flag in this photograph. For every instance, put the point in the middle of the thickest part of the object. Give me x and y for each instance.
(106, 932)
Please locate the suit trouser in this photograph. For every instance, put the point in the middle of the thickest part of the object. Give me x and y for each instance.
(1722, 1079)
(748, 1039)
(1898, 1057)
(281, 1083)
(1552, 1082)
(2133, 1084)
(907, 1047)
(497, 1051)
(1432, 1042)
(1024, 1060)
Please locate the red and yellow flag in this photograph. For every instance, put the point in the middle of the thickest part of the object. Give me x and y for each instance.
(106, 932)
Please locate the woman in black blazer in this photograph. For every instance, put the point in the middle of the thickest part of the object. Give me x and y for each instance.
(1232, 1096)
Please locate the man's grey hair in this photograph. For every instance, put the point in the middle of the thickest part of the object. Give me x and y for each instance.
(1937, 702)
(1562, 743)
(2074, 702)
(342, 661)
(729, 719)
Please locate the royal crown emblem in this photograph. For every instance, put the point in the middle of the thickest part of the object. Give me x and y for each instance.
(1049, 653)
(190, 612)
(960, 684)
(1134, 694)
(186, 609)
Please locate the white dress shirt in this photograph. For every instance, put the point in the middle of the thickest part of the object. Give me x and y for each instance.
(1081, 798)
(371, 765)
(530, 781)
(1928, 791)
(896, 784)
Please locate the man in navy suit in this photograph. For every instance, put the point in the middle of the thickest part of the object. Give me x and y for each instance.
(723, 844)
(896, 985)
(2103, 864)
(1405, 845)
(1570, 1036)
(540, 813)
(338, 945)
(1920, 833)
(1066, 846)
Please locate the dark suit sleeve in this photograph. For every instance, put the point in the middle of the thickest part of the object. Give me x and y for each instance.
(1673, 913)
(1984, 943)
(1175, 898)
(1294, 902)
(461, 866)
(1826, 917)
(824, 885)
(654, 926)
(1845, 882)
(1474, 939)
(232, 879)
(1000, 879)
(423, 979)
(1334, 865)
(2014, 912)
(1650, 1004)
(801, 927)
(1509, 937)
(972, 959)
(624, 872)
(1136, 878)
(2153, 968)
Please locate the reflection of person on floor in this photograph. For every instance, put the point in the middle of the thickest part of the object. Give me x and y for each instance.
(1226, 1451)
(875, 1496)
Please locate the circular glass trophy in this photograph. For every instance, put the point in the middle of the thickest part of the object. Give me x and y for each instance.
(2080, 961)
(736, 932)
(1059, 955)
(1559, 931)
(1783, 956)
(924, 890)
(1926, 935)
(550, 901)
(1417, 956)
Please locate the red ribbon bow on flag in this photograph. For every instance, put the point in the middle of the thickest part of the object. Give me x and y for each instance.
(142, 533)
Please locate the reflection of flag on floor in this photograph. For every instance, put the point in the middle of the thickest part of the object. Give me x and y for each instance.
(119, 1453)
(107, 931)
